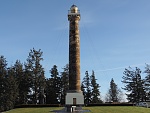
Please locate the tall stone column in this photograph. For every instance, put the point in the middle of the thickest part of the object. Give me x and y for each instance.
(74, 50)
(74, 97)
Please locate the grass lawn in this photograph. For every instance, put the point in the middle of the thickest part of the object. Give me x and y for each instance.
(100, 109)
(34, 110)
(118, 109)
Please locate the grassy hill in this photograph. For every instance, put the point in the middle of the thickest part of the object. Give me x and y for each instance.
(100, 109)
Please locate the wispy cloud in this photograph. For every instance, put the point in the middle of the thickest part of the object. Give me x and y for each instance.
(123, 67)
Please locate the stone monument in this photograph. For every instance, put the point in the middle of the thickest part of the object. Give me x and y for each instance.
(74, 98)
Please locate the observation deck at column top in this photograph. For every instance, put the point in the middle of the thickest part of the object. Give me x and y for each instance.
(74, 11)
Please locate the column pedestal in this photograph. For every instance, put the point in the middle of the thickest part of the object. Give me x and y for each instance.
(74, 100)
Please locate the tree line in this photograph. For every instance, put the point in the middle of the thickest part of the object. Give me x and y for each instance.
(137, 88)
(25, 83)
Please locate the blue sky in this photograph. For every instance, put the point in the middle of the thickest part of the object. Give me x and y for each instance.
(114, 34)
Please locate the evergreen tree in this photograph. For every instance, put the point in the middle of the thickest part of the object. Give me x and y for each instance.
(8, 86)
(114, 93)
(11, 89)
(147, 81)
(19, 76)
(64, 83)
(26, 85)
(3, 82)
(38, 80)
(53, 90)
(42, 85)
(83, 91)
(134, 85)
(95, 93)
(48, 90)
(86, 88)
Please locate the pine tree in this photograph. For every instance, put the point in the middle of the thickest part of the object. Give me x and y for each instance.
(48, 90)
(26, 85)
(3, 82)
(11, 88)
(86, 88)
(147, 81)
(19, 74)
(42, 85)
(8, 86)
(95, 94)
(83, 91)
(134, 85)
(37, 72)
(114, 93)
(64, 83)
(53, 90)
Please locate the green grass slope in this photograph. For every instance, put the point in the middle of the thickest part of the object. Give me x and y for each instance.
(118, 109)
(98, 109)
(34, 110)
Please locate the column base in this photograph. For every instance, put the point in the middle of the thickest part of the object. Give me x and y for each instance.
(74, 98)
